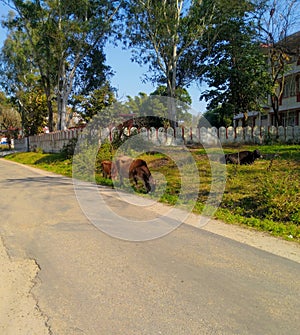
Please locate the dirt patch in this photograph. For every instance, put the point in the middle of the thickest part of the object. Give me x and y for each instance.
(19, 313)
(157, 163)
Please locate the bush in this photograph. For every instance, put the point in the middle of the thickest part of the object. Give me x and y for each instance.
(105, 152)
(279, 198)
(84, 161)
(68, 149)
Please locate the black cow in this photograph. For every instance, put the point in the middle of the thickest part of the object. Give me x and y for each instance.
(243, 157)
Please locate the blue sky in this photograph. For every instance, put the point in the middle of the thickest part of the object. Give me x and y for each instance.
(128, 75)
(128, 78)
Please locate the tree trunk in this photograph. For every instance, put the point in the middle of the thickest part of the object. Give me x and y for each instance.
(47, 89)
(61, 97)
(171, 103)
(61, 111)
(50, 115)
(275, 107)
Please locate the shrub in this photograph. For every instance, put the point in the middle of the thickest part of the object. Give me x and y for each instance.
(105, 152)
(279, 198)
(68, 149)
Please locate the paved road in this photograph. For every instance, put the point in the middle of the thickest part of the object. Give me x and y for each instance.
(188, 282)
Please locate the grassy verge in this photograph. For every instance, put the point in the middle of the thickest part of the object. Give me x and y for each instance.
(264, 196)
(56, 163)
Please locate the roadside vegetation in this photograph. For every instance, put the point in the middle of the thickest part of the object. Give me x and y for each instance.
(263, 196)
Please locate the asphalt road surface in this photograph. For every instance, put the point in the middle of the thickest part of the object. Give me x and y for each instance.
(189, 282)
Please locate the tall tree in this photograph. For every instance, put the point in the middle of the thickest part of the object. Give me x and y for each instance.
(62, 34)
(10, 119)
(180, 93)
(97, 102)
(33, 108)
(218, 117)
(163, 35)
(277, 20)
(22, 82)
(183, 110)
(237, 72)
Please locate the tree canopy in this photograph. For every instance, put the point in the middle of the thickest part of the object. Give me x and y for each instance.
(61, 36)
(236, 70)
(164, 35)
(10, 120)
(53, 60)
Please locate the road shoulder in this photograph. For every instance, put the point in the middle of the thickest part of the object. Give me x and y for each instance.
(254, 238)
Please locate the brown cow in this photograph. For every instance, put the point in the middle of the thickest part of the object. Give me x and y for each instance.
(106, 169)
(135, 169)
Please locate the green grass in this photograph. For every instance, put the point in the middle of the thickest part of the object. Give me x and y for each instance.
(264, 196)
(50, 162)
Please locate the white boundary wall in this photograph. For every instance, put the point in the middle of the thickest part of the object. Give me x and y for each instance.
(54, 142)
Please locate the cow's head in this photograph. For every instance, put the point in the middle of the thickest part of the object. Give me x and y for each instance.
(257, 154)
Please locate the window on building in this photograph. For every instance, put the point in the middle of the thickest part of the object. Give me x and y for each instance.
(289, 89)
(298, 87)
(289, 119)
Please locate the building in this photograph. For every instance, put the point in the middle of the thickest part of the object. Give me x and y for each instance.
(289, 102)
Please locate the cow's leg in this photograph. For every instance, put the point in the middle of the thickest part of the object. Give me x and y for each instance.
(120, 177)
(145, 178)
(147, 185)
(134, 177)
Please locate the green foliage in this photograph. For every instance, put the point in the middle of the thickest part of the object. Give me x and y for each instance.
(84, 161)
(59, 35)
(182, 111)
(93, 73)
(166, 36)
(236, 72)
(9, 117)
(144, 105)
(38, 150)
(68, 149)
(152, 111)
(117, 141)
(105, 152)
(27, 63)
(17, 72)
(34, 110)
(132, 144)
(285, 230)
(265, 195)
(279, 199)
(97, 102)
(180, 93)
(219, 117)
(19, 77)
